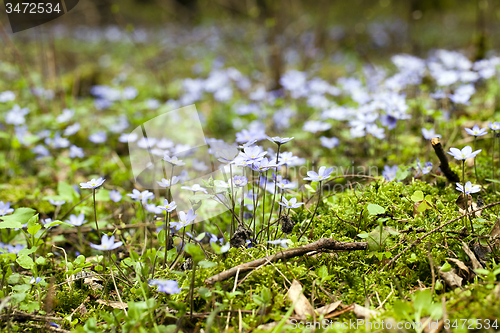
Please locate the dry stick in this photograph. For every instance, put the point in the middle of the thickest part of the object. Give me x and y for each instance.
(445, 167)
(319, 245)
(418, 240)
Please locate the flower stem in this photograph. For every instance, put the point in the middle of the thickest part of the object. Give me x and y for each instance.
(95, 214)
(315, 210)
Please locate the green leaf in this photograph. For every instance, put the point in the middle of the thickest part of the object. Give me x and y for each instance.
(446, 267)
(33, 226)
(161, 237)
(322, 272)
(25, 262)
(195, 252)
(102, 195)
(200, 237)
(374, 209)
(481, 271)
(207, 264)
(402, 174)
(66, 191)
(16, 220)
(310, 188)
(417, 196)
(363, 235)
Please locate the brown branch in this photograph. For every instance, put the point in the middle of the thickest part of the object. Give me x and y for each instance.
(320, 245)
(418, 240)
(445, 167)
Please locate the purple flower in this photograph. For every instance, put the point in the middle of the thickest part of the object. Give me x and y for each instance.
(173, 160)
(463, 154)
(469, 188)
(57, 202)
(476, 131)
(143, 196)
(115, 196)
(314, 126)
(430, 134)
(166, 286)
(76, 220)
(167, 182)
(389, 173)
(184, 219)
(35, 281)
(322, 174)
(195, 188)
(98, 137)
(5, 208)
(292, 203)
(494, 126)
(168, 206)
(252, 154)
(263, 165)
(152, 208)
(279, 141)
(329, 143)
(75, 151)
(240, 181)
(14, 249)
(107, 244)
(93, 184)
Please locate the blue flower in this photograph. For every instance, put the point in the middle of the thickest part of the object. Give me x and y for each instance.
(322, 174)
(389, 173)
(329, 143)
(263, 165)
(279, 141)
(168, 206)
(166, 286)
(463, 154)
(184, 219)
(5, 208)
(195, 188)
(469, 188)
(292, 203)
(143, 196)
(240, 181)
(35, 281)
(76, 220)
(167, 182)
(429, 134)
(115, 196)
(107, 244)
(173, 160)
(494, 126)
(57, 202)
(280, 242)
(93, 184)
(476, 131)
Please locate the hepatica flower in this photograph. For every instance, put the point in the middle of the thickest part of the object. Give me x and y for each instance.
(389, 173)
(57, 202)
(107, 244)
(93, 184)
(5, 208)
(476, 131)
(292, 203)
(166, 286)
(184, 219)
(195, 188)
(494, 126)
(280, 242)
(280, 141)
(329, 143)
(167, 182)
(263, 165)
(35, 280)
(469, 188)
(240, 181)
(252, 154)
(143, 196)
(173, 160)
(76, 220)
(463, 154)
(168, 206)
(115, 196)
(322, 174)
(430, 134)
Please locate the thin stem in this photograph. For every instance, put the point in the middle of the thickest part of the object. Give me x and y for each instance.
(192, 290)
(167, 237)
(475, 166)
(95, 214)
(264, 202)
(274, 195)
(315, 210)
(114, 282)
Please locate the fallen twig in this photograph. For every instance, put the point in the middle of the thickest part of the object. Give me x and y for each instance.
(320, 245)
(445, 167)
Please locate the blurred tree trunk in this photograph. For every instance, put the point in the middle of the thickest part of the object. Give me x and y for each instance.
(481, 38)
(272, 13)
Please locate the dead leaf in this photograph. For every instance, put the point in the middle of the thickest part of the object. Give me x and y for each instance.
(113, 304)
(472, 206)
(362, 312)
(329, 308)
(460, 264)
(475, 263)
(302, 306)
(451, 278)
